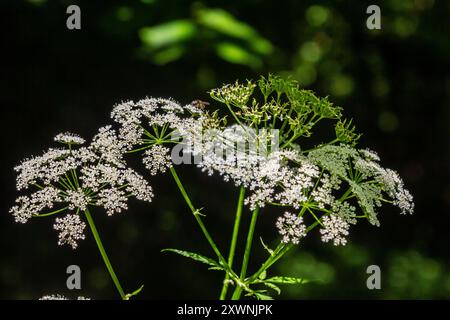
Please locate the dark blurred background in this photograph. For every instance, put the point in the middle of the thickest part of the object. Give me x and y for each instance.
(393, 82)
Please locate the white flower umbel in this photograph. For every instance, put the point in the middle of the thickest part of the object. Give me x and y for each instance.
(69, 138)
(334, 229)
(291, 228)
(27, 206)
(154, 120)
(77, 199)
(109, 146)
(252, 160)
(77, 178)
(157, 159)
(113, 200)
(71, 229)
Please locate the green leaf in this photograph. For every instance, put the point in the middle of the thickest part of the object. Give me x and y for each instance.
(270, 251)
(273, 287)
(195, 256)
(170, 54)
(134, 293)
(234, 53)
(287, 280)
(168, 33)
(262, 296)
(216, 268)
(223, 22)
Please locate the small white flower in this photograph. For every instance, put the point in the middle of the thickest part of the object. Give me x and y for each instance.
(334, 229)
(71, 229)
(291, 228)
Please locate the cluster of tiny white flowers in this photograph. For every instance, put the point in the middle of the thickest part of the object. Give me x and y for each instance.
(334, 229)
(92, 175)
(109, 146)
(48, 168)
(267, 175)
(157, 159)
(297, 182)
(370, 154)
(77, 199)
(236, 94)
(137, 185)
(117, 180)
(113, 200)
(71, 229)
(323, 193)
(69, 138)
(389, 180)
(27, 206)
(291, 228)
(133, 116)
(60, 297)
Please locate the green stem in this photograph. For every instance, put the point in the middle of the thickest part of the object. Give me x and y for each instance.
(237, 221)
(139, 149)
(248, 246)
(270, 261)
(50, 213)
(278, 253)
(197, 217)
(103, 253)
(234, 115)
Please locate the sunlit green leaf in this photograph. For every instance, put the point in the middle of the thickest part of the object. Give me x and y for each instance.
(194, 256)
(261, 46)
(273, 287)
(222, 21)
(287, 280)
(235, 54)
(168, 55)
(167, 33)
(262, 296)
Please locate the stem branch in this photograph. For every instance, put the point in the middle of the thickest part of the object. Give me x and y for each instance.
(248, 246)
(103, 253)
(234, 237)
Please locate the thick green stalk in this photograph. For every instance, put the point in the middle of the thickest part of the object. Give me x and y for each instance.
(103, 254)
(237, 222)
(248, 246)
(197, 217)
